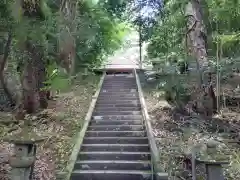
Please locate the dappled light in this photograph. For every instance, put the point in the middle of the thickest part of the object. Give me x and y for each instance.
(119, 89)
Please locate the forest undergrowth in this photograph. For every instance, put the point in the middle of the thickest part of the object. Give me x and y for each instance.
(178, 131)
(59, 124)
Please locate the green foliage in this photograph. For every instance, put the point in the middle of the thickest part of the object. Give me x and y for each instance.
(176, 93)
(96, 30)
(221, 18)
(99, 36)
(58, 81)
(167, 35)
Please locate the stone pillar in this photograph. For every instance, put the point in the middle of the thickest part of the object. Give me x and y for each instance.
(22, 162)
(213, 161)
(142, 77)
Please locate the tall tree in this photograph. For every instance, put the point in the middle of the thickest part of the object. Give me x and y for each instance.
(197, 44)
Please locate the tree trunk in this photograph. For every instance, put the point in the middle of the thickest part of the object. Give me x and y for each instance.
(3, 61)
(41, 77)
(196, 42)
(30, 93)
(30, 80)
(67, 44)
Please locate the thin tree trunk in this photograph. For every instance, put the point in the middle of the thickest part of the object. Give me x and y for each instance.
(41, 77)
(3, 62)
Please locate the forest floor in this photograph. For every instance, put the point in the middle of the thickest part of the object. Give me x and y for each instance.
(59, 123)
(177, 132)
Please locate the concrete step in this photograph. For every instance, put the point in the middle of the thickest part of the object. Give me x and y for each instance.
(118, 90)
(113, 165)
(126, 90)
(113, 155)
(116, 147)
(117, 99)
(133, 100)
(116, 128)
(120, 83)
(117, 117)
(118, 78)
(99, 108)
(115, 133)
(116, 113)
(120, 101)
(115, 122)
(111, 175)
(117, 104)
(118, 95)
(119, 86)
(115, 140)
(123, 105)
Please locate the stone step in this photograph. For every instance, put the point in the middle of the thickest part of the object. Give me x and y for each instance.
(119, 78)
(116, 147)
(108, 91)
(111, 175)
(111, 98)
(124, 105)
(133, 100)
(129, 87)
(115, 122)
(113, 155)
(117, 117)
(120, 86)
(117, 95)
(115, 140)
(120, 90)
(120, 83)
(116, 113)
(113, 165)
(117, 104)
(115, 133)
(116, 128)
(100, 108)
(121, 101)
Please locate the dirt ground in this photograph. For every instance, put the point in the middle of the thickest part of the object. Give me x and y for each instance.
(177, 133)
(58, 124)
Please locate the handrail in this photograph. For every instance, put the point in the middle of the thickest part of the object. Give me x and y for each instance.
(81, 134)
(154, 150)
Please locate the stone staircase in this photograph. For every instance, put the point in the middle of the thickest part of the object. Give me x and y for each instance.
(115, 145)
